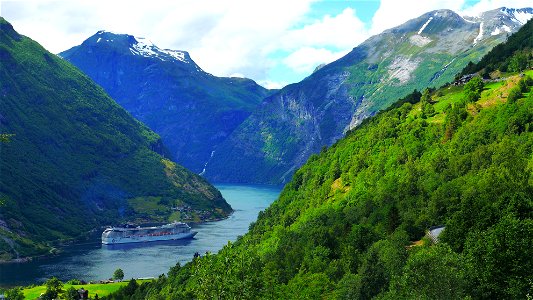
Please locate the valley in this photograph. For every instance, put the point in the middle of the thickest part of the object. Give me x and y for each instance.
(400, 168)
(89, 260)
(76, 159)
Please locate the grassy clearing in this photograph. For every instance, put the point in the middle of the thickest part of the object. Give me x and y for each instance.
(102, 289)
(148, 205)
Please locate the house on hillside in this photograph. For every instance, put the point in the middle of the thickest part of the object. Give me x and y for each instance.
(434, 232)
(84, 294)
(464, 79)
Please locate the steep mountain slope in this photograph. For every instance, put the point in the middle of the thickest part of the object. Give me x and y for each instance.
(76, 159)
(191, 110)
(501, 56)
(300, 119)
(351, 223)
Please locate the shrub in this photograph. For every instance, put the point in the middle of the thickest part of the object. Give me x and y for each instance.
(514, 94)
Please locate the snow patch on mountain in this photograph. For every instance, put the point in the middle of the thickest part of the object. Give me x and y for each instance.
(146, 48)
(522, 17)
(503, 28)
(424, 26)
(179, 55)
(480, 35)
(519, 15)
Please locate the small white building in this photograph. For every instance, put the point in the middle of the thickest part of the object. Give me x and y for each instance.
(434, 232)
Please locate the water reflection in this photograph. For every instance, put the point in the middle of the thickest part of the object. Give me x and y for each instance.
(130, 246)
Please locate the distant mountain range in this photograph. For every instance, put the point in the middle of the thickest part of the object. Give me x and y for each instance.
(300, 119)
(193, 111)
(76, 160)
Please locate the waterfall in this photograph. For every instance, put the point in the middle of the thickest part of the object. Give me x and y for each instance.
(205, 166)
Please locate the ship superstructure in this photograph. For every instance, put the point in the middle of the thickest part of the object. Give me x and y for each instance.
(126, 234)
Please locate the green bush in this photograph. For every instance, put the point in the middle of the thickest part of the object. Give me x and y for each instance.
(472, 89)
(514, 94)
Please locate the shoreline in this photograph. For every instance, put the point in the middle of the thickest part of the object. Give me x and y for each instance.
(57, 250)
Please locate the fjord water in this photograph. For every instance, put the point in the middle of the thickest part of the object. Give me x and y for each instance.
(93, 261)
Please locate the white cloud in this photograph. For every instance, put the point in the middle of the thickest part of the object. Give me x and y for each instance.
(305, 60)
(322, 41)
(223, 37)
(342, 31)
(272, 84)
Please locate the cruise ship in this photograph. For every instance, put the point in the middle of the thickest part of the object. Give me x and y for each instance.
(129, 234)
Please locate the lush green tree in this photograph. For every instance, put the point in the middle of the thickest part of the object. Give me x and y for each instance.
(454, 117)
(518, 62)
(54, 287)
(473, 89)
(430, 273)
(524, 83)
(118, 274)
(384, 260)
(74, 282)
(501, 259)
(514, 94)
(427, 108)
(14, 294)
(475, 84)
(71, 294)
(307, 286)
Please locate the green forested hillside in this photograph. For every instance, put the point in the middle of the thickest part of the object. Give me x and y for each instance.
(297, 121)
(74, 159)
(351, 223)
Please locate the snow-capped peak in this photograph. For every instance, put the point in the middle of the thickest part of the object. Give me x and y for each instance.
(145, 47)
(521, 15)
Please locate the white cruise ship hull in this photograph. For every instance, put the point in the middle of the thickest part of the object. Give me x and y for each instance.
(146, 238)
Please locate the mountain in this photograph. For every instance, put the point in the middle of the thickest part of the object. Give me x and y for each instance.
(300, 119)
(191, 110)
(501, 56)
(74, 159)
(353, 222)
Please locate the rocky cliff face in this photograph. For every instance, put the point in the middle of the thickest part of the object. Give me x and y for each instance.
(302, 118)
(191, 110)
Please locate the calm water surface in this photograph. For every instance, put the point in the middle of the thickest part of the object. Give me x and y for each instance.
(94, 261)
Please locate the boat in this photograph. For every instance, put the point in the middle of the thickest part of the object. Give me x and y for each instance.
(130, 234)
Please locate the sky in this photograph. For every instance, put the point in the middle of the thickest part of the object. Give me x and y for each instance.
(274, 42)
